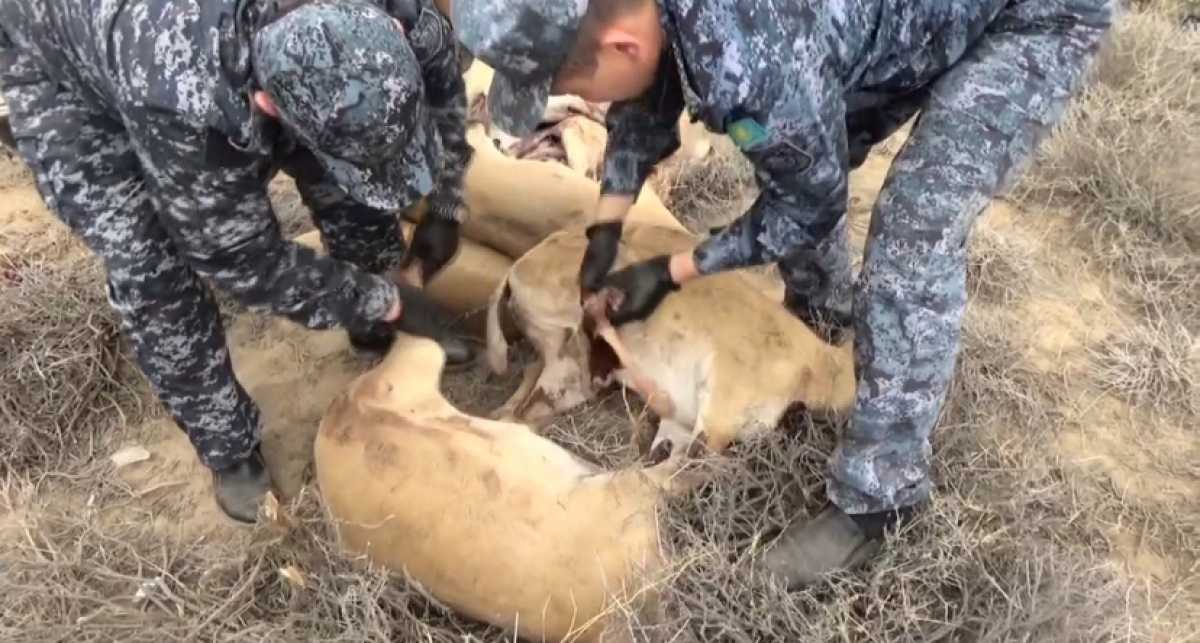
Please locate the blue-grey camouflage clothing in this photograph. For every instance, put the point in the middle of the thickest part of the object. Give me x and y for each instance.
(806, 89)
(135, 119)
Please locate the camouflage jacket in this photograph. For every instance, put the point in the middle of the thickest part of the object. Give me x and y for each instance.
(780, 78)
(176, 75)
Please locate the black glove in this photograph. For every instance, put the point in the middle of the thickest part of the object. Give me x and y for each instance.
(434, 243)
(421, 316)
(601, 253)
(642, 286)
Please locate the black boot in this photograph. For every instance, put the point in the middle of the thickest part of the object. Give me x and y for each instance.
(241, 487)
(832, 541)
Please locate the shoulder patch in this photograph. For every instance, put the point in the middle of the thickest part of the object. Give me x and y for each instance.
(428, 35)
(746, 133)
(789, 158)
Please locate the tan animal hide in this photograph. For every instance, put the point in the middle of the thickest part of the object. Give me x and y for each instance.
(723, 358)
(497, 522)
(516, 203)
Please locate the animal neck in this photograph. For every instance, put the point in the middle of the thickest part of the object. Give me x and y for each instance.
(829, 379)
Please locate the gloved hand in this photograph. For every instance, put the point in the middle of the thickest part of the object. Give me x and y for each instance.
(643, 286)
(434, 243)
(422, 316)
(418, 315)
(600, 255)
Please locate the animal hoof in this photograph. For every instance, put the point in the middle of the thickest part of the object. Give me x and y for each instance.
(699, 447)
(660, 452)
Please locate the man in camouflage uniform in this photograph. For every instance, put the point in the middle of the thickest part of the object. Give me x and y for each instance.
(153, 129)
(806, 89)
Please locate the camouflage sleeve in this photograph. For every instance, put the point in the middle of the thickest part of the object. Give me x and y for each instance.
(642, 132)
(796, 140)
(213, 203)
(433, 41)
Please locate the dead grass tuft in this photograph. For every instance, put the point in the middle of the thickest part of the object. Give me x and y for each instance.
(1155, 364)
(13, 171)
(1124, 161)
(85, 576)
(707, 192)
(1186, 12)
(63, 379)
(1001, 267)
(979, 564)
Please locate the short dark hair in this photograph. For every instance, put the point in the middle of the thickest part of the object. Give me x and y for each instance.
(600, 13)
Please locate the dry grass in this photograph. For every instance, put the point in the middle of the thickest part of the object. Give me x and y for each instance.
(63, 379)
(1001, 267)
(978, 565)
(88, 576)
(1155, 364)
(707, 192)
(12, 171)
(1125, 160)
(1185, 12)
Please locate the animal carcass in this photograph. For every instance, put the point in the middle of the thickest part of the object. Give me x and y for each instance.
(723, 359)
(492, 519)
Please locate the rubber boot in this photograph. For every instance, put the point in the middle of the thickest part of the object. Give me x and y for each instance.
(832, 541)
(240, 488)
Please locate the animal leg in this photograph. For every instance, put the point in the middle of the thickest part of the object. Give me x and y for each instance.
(655, 396)
(672, 478)
(520, 397)
(672, 438)
(718, 421)
(642, 437)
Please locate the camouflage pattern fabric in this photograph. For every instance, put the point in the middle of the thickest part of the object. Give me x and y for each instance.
(806, 89)
(136, 121)
(525, 42)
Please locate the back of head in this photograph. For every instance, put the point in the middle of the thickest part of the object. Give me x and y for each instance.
(531, 42)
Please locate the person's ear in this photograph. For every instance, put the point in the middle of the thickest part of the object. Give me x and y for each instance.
(265, 105)
(624, 43)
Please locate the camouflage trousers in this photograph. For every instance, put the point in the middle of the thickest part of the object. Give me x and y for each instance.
(977, 126)
(88, 174)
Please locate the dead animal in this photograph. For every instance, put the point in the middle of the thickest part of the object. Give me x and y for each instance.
(515, 203)
(720, 358)
(496, 521)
